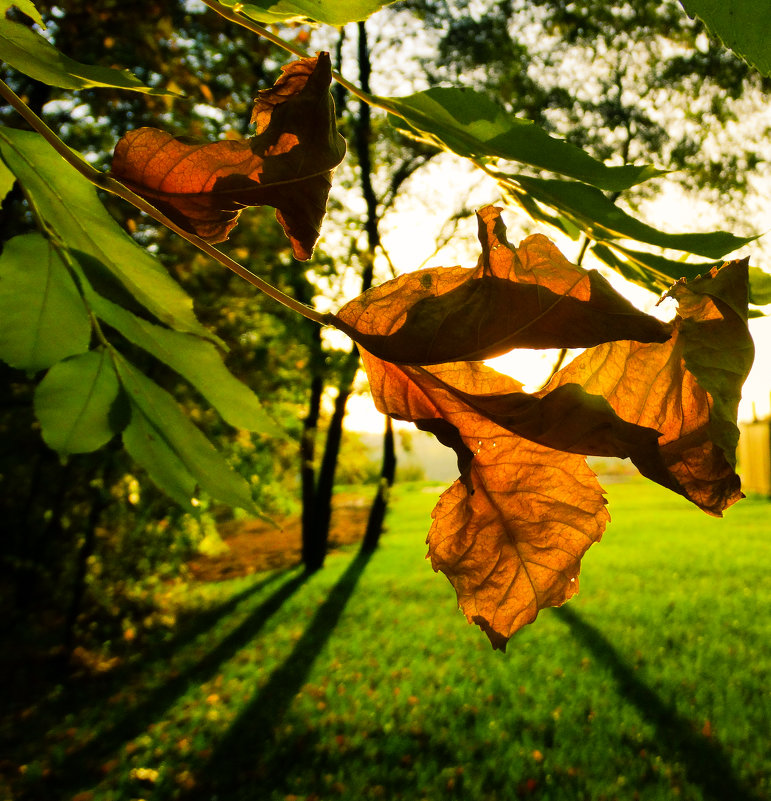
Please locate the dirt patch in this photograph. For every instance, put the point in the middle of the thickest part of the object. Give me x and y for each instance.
(256, 545)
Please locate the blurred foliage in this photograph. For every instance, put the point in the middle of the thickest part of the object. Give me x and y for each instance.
(626, 81)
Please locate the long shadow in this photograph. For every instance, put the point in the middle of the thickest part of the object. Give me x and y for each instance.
(80, 693)
(705, 761)
(235, 763)
(76, 770)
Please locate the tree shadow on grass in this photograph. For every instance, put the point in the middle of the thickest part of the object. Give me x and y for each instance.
(706, 763)
(235, 763)
(81, 766)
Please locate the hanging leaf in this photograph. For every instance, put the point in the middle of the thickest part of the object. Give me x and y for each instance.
(288, 164)
(43, 316)
(75, 216)
(473, 126)
(744, 27)
(77, 405)
(526, 297)
(175, 454)
(602, 219)
(330, 12)
(510, 533)
(195, 360)
(28, 52)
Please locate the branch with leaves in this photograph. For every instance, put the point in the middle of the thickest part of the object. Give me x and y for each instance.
(511, 531)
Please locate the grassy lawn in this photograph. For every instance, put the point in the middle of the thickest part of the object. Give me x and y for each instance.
(365, 682)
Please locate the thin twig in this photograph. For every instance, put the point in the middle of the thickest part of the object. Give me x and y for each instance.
(584, 247)
(110, 184)
(245, 22)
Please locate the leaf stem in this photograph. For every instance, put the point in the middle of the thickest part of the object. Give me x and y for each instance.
(109, 184)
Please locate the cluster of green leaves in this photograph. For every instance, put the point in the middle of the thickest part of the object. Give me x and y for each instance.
(73, 287)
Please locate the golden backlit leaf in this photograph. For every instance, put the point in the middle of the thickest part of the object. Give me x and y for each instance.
(687, 389)
(287, 164)
(525, 297)
(509, 534)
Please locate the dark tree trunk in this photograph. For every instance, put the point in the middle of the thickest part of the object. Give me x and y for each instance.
(308, 473)
(380, 504)
(325, 483)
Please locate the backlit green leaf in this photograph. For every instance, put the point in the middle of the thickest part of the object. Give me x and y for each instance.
(197, 361)
(28, 52)
(742, 25)
(7, 180)
(331, 12)
(75, 403)
(69, 205)
(650, 270)
(760, 287)
(26, 7)
(602, 219)
(175, 454)
(42, 313)
(470, 124)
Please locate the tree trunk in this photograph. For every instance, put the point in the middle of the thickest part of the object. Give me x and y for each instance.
(325, 482)
(380, 504)
(308, 473)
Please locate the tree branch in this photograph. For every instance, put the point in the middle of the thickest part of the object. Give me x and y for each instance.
(109, 184)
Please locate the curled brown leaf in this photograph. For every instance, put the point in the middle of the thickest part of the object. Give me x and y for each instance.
(525, 297)
(509, 534)
(288, 164)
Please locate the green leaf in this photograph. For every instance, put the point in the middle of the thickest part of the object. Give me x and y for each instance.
(75, 403)
(7, 180)
(742, 25)
(760, 287)
(657, 273)
(470, 124)
(28, 52)
(654, 272)
(25, 6)
(43, 315)
(175, 454)
(330, 12)
(603, 219)
(197, 361)
(69, 206)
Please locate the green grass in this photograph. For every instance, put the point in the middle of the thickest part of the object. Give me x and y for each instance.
(365, 682)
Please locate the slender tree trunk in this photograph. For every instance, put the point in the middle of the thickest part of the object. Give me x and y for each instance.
(308, 473)
(100, 499)
(380, 504)
(325, 483)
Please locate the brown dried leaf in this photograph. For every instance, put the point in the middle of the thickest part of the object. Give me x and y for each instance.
(526, 297)
(510, 532)
(288, 164)
(687, 389)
